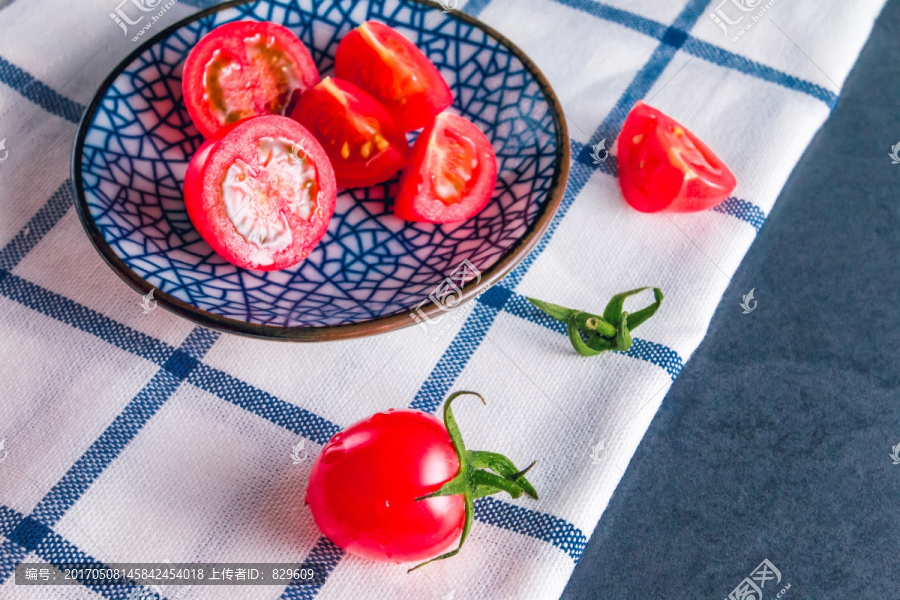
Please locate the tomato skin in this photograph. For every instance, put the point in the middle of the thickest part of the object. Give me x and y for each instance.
(204, 196)
(663, 166)
(381, 61)
(255, 81)
(417, 198)
(364, 484)
(345, 119)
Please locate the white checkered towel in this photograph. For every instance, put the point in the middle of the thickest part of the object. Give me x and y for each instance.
(133, 437)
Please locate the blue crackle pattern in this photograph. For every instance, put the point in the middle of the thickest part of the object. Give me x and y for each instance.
(370, 263)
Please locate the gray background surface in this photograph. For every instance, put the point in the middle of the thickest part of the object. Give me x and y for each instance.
(774, 442)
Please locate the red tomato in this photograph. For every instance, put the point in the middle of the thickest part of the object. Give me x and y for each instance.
(261, 192)
(390, 67)
(367, 489)
(360, 136)
(243, 69)
(663, 166)
(451, 175)
(364, 485)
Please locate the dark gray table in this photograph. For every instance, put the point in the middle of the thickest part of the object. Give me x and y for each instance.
(774, 442)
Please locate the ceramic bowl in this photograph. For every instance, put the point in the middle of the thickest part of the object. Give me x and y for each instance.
(371, 272)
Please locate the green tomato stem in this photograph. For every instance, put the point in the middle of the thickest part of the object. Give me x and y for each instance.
(592, 334)
(480, 474)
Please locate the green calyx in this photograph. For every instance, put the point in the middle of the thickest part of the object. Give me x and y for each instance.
(480, 474)
(593, 334)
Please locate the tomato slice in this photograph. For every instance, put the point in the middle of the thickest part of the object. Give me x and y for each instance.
(663, 166)
(360, 136)
(390, 67)
(451, 175)
(261, 192)
(243, 69)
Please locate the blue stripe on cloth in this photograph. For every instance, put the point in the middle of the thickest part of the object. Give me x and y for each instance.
(83, 318)
(636, 90)
(214, 381)
(262, 404)
(454, 359)
(124, 427)
(542, 526)
(38, 92)
(9, 520)
(37, 227)
(56, 550)
(626, 18)
(743, 210)
(474, 7)
(701, 49)
(48, 545)
(326, 556)
(729, 60)
(11, 554)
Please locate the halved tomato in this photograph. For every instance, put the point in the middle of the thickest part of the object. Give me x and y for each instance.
(243, 69)
(261, 192)
(451, 175)
(390, 67)
(663, 166)
(359, 135)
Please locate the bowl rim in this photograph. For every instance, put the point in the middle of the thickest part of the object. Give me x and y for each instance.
(398, 320)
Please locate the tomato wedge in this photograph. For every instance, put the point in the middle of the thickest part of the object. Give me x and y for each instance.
(663, 166)
(451, 175)
(243, 69)
(359, 135)
(390, 67)
(261, 192)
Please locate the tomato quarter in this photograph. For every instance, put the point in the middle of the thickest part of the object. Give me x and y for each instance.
(243, 69)
(451, 175)
(399, 486)
(360, 136)
(390, 67)
(663, 166)
(261, 192)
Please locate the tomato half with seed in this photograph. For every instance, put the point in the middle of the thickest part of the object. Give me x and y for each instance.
(261, 192)
(243, 69)
(399, 486)
(663, 166)
(360, 136)
(390, 67)
(451, 174)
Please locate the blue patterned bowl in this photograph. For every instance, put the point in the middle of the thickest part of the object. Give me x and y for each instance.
(372, 272)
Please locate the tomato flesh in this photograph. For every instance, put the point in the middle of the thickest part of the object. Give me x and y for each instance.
(361, 138)
(451, 175)
(244, 69)
(364, 484)
(663, 166)
(261, 192)
(390, 67)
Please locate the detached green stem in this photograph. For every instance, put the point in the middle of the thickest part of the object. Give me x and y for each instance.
(592, 334)
(480, 474)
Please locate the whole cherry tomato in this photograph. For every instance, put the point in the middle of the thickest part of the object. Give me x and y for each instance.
(399, 486)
